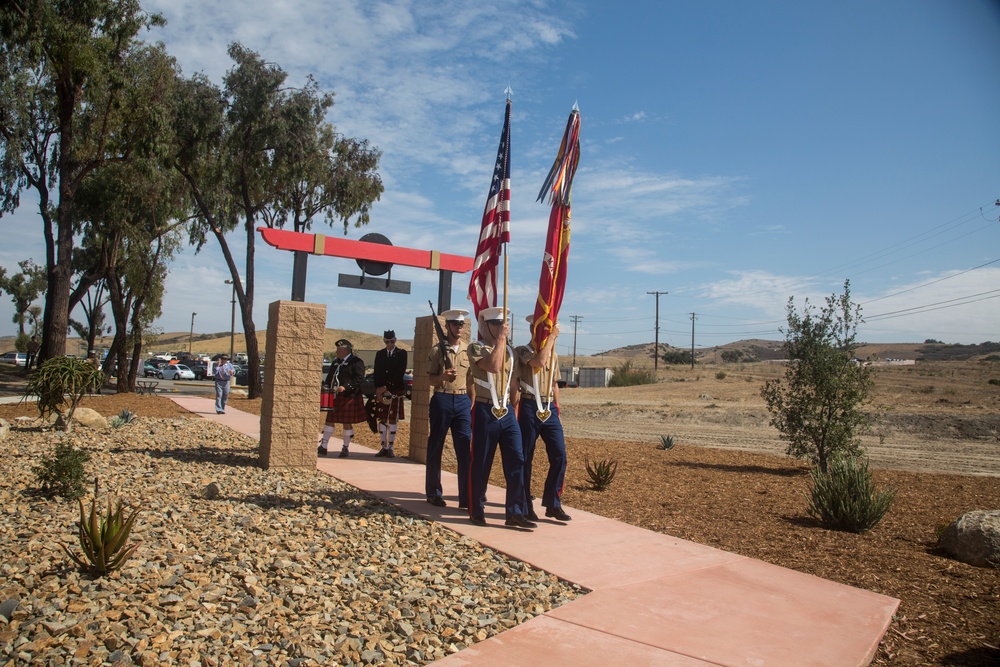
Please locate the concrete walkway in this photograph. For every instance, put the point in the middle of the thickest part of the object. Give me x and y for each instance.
(655, 600)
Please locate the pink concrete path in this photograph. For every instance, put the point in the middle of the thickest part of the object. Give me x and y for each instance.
(654, 600)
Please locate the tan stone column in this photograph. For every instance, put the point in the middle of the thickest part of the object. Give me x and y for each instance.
(423, 340)
(292, 379)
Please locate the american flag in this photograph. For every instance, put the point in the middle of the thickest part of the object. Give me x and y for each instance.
(496, 228)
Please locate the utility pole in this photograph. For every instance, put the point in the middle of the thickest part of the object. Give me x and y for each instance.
(575, 319)
(191, 335)
(692, 341)
(656, 339)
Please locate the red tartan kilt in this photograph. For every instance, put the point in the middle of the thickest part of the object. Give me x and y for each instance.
(395, 408)
(347, 410)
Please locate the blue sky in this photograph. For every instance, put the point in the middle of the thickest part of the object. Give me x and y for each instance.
(734, 155)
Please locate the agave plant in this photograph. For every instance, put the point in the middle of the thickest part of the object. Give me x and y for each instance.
(666, 442)
(124, 417)
(102, 538)
(602, 473)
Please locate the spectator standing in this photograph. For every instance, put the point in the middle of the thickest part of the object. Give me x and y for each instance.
(344, 379)
(32, 352)
(450, 408)
(390, 392)
(224, 372)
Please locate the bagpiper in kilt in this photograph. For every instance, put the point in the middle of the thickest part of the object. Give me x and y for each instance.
(344, 380)
(390, 367)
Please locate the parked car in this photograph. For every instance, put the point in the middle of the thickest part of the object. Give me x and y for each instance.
(408, 383)
(149, 370)
(16, 358)
(241, 374)
(199, 368)
(175, 372)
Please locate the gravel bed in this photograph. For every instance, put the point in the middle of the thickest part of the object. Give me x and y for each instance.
(280, 568)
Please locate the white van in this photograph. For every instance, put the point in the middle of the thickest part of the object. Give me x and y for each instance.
(16, 358)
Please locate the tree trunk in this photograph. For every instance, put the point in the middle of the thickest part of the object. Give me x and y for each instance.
(60, 258)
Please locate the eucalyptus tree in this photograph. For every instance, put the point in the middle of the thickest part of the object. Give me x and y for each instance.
(255, 153)
(67, 107)
(323, 172)
(93, 325)
(24, 287)
(135, 214)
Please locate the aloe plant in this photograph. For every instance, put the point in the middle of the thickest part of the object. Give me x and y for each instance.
(124, 417)
(59, 385)
(602, 473)
(103, 538)
(666, 442)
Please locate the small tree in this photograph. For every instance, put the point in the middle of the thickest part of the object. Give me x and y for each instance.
(60, 383)
(818, 408)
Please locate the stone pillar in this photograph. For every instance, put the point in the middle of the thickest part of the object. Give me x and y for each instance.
(423, 339)
(292, 379)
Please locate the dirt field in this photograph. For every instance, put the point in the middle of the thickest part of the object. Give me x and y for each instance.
(938, 417)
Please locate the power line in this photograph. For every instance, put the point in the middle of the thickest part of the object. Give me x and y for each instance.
(934, 306)
(954, 275)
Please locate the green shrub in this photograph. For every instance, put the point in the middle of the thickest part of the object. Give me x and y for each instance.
(123, 418)
(626, 376)
(61, 474)
(666, 442)
(993, 381)
(845, 498)
(720, 375)
(103, 538)
(602, 473)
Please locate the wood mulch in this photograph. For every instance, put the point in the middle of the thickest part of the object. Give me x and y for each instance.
(754, 505)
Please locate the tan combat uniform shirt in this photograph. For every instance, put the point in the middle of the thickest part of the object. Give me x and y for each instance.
(459, 361)
(523, 373)
(477, 352)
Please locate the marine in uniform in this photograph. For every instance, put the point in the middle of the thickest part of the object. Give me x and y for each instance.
(390, 392)
(450, 409)
(344, 381)
(491, 368)
(538, 415)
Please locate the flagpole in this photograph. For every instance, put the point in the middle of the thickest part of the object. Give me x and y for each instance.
(508, 92)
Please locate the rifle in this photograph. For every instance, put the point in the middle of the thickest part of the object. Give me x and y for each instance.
(442, 338)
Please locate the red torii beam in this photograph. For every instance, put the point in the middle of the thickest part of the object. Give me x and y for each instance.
(320, 244)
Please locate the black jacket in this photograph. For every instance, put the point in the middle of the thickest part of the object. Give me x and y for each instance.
(389, 371)
(350, 376)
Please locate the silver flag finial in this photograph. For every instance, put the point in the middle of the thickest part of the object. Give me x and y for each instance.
(508, 91)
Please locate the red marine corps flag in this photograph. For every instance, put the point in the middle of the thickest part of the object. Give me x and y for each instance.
(496, 227)
(558, 184)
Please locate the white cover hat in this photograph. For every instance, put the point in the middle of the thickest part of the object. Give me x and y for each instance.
(495, 314)
(455, 315)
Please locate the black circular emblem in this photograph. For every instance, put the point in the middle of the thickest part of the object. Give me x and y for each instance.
(367, 265)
